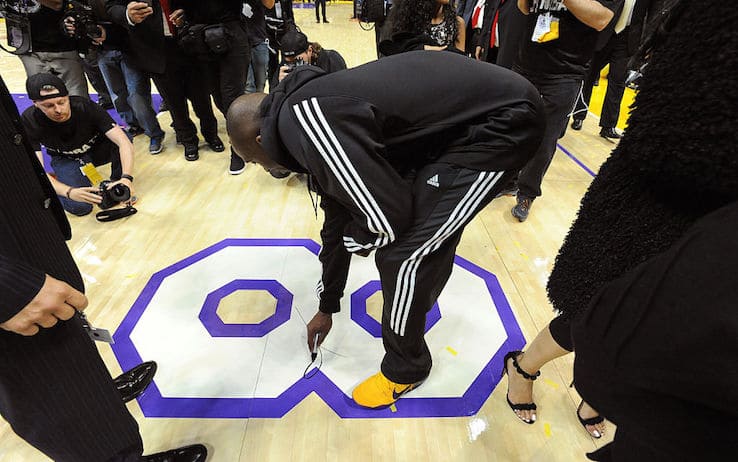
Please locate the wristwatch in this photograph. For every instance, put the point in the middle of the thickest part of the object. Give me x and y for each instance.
(127, 177)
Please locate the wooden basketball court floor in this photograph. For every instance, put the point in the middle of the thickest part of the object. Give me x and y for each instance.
(192, 213)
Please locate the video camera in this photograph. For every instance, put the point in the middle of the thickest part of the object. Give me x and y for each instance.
(85, 24)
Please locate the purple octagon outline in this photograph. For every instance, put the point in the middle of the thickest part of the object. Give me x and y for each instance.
(360, 316)
(153, 404)
(217, 328)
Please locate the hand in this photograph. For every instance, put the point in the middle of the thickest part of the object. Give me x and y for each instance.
(55, 301)
(85, 194)
(320, 324)
(177, 17)
(126, 182)
(138, 11)
(69, 26)
(283, 72)
(103, 36)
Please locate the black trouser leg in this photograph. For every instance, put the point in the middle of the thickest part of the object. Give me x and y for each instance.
(560, 328)
(415, 268)
(89, 63)
(171, 85)
(615, 82)
(558, 96)
(199, 96)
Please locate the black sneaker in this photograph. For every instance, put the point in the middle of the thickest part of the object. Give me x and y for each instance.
(155, 146)
(133, 131)
(577, 124)
(237, 165)
(510, 191)
(522, 208)
(279, 173)
(216, 144)
(191, 152)
(610, 133)
(105, 103)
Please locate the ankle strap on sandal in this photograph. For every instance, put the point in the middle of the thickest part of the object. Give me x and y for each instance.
(521, 371)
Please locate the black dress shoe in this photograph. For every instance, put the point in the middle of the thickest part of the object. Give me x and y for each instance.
(610, 133)
(192, 453)
(133, 383)
(191, 152)
(216, 144)
(576, 124)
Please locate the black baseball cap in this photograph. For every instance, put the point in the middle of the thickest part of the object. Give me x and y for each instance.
(294, 43)
(48, 82)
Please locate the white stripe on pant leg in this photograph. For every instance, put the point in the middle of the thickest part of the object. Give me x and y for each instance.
(340, 153)
(470, 211)
(403, 286)
(344, 171)
(345, 182)
(463, 212)
(402, 290)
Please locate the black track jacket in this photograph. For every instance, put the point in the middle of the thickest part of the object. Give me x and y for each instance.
(360, 131)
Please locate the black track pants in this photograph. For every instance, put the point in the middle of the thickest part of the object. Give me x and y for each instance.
(414, 269)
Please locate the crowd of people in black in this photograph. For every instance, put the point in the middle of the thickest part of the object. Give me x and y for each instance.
(497, 138)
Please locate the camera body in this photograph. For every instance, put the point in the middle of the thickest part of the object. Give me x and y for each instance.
(113, 196)
(85, 24)
(294, 64)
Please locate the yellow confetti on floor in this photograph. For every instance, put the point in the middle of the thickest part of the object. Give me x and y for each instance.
(451, 350)
(393, 408)
(551, 383)
(547, 430)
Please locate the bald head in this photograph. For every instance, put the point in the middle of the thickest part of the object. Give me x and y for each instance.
(243, 123)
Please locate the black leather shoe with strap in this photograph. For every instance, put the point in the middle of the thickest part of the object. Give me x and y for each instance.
(520, 406)
(192, 453)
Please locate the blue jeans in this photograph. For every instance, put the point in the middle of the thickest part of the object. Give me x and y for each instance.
(118, 73)
(258, 69)
(67, 170)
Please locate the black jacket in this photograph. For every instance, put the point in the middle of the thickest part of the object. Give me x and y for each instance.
(359, 132)
(145, 40)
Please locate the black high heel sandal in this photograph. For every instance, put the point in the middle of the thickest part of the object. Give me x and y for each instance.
(522, 406)
(591, 421)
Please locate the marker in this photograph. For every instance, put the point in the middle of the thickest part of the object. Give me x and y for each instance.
(314, 353)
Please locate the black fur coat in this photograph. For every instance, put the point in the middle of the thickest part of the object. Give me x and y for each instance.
(677, 161)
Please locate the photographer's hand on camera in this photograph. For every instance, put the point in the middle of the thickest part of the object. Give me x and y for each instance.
(84, 194)
(126, 182)
(284, 70)
(71, 30)
(138, 11)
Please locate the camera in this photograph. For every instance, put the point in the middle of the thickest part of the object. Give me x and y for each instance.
(85, 24)
(291, 66)
(113, 196)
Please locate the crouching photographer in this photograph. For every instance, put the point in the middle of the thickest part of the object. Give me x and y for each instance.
(79, 135)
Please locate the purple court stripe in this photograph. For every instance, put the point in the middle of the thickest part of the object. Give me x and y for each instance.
(577, 161)
(153, 404)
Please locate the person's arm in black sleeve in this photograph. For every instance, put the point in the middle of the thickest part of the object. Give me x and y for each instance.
(342, 147)
(335, 62)
(19, 283)
(334, 257)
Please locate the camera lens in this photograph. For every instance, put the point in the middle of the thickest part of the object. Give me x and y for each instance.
(120, 193)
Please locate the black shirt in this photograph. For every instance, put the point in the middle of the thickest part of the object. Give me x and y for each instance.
(330, 61)
(84, 130)
(46, 33)
(256, 23)
(210, 11)
(566, 56)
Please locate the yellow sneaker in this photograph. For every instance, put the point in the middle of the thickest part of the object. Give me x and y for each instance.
(379, 391)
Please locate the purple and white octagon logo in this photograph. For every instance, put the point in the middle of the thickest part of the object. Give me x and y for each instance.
(212, 368)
